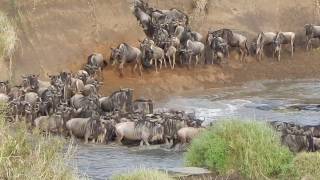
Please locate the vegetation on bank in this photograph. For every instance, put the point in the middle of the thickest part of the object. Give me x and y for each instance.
(307, 165)
(143, 174)
(8, 37)
(251, 148)
(26, 155)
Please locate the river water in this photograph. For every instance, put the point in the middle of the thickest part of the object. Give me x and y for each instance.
(291, 101)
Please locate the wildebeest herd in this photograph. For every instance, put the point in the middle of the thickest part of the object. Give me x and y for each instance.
(70, 105)
(169, 37)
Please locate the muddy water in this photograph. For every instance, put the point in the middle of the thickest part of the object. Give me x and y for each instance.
(290, 101)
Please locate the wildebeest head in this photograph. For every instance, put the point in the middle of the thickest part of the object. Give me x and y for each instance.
(277, 42)
(4, 87)
(31, 81)
(309, 29)
(55, 80)
(115, 56)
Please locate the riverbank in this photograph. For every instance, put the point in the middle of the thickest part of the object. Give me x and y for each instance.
(166, 83)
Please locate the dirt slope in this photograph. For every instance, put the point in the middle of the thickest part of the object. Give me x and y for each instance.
(59, 34)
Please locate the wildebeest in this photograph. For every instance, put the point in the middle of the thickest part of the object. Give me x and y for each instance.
(119, 100)
(240, 42)
(84, 105)
(193, 49)
(96, 60)
(264, 38)
(52, 123)
(126, 54)
(186, 134)
(218, 46)
(233, 40)
(143, 106)
(312, 32)
(170, 53)
(143, 18)
(87, 128)
(4, 87)
(153, 54)
(283, 38)
(30, 83)
(143, 131)
(31, 98)
(171, 127)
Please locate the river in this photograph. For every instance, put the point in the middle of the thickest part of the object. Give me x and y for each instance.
(291, 101)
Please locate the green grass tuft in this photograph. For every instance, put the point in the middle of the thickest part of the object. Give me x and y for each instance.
(143, 174)
(249, 147)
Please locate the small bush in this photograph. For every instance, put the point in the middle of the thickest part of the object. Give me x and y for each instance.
(143, 174)
(249, 147)
(307, 165)
(26, 155)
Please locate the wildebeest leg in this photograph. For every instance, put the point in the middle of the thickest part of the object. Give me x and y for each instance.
(166, 141)
(213, 54)
(119, 138)
(292, 47)
(308, 43)
(146, 142)
(241, 55)
(86, 137)
(279, 54)
(161, 61)
(173, 61)
(170, 62)
(165, 63)
(121, 68)
(189, 63)
(140, 68)
(141, 143)
(134, 68)
(155, 63)
(197, 60)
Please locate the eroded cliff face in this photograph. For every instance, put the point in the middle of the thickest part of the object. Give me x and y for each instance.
(59, 34)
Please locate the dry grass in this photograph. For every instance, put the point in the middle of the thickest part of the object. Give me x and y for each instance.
(307, 165)
(143, 174)
(25, 155)
(8, 37)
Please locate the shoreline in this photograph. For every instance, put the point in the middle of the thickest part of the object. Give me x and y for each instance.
(166, 83)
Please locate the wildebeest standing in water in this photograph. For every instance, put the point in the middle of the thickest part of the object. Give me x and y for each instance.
(87, 128)
(126, 54)
(144, 131)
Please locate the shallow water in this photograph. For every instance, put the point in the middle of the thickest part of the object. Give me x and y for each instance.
(290, 101)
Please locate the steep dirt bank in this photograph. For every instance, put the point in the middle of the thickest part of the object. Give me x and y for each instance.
(58, 34)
